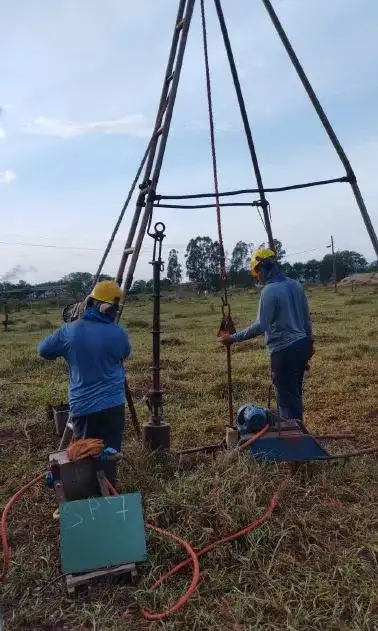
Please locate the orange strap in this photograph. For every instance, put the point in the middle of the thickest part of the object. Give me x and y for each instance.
(84, 448)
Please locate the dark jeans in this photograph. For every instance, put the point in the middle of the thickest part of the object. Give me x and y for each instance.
(288, 368)
(108, 425)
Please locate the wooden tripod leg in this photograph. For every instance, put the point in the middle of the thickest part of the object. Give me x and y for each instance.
(67, 435)
(132, 410)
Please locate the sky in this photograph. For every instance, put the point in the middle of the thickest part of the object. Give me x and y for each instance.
(80, 85)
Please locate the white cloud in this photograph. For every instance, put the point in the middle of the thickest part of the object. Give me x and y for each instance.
(6, 177)
(133, 125)
(114, 64)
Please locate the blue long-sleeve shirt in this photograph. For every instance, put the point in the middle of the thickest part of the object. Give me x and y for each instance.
(94, 349)
(283, 315)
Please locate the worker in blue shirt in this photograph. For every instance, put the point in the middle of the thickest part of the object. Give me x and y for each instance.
(284, 318)
(94, 348)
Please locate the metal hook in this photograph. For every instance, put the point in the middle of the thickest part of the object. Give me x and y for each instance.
(159, 229)
(158, 237)
(226, 308)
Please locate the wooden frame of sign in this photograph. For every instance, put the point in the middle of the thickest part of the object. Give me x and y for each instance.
(75, 580)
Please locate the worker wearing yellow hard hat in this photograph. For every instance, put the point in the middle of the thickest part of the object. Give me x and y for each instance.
(107, 292)
(283, 317)
(260, 255)
(94, 347)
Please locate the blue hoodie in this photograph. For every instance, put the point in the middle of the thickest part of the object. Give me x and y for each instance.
(283, 314)
(94, 349)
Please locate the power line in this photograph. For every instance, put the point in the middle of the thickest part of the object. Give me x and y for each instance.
(304, 251)
(44, 245)
(71, 247)
(145, 250)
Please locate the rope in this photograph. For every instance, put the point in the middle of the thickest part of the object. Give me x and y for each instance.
(244, 116)
(213, 151)
(83, 448)
(227, 324)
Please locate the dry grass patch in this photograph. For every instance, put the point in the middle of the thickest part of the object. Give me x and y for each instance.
(313, 567)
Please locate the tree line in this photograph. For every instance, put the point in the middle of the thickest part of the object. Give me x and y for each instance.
(202, 261)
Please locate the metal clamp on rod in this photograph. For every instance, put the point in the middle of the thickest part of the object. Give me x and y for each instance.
(144, 188)
(156, 433)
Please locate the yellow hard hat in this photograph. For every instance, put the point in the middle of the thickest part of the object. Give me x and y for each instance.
(107, 291)
(260, 255)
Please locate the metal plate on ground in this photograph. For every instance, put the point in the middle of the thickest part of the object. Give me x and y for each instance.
(294, 449)
(102, 532)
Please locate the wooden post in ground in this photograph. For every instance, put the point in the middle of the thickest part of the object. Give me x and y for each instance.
(334, 278)
(6, 318)
(333, 264)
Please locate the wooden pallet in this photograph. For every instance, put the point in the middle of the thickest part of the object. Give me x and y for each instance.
(75, 580)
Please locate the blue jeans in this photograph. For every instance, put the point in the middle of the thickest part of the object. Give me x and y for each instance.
(107, 425)
(288, 368)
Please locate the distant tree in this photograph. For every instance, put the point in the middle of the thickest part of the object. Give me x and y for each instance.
(347, 263)
(138, 287)
(287, 269)
(326, 268)
(25, 287)
(241, 256)
(311, 271)
(174, 268)
(353, 262)
(239, 272)
(278, 248)
(373, 267)
(165, 284)
(202, 262)
(298, 271)
(79, 284)
(6, 286)
(142, 287)
(104, 277)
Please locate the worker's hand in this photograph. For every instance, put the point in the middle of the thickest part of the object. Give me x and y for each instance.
(224, 339)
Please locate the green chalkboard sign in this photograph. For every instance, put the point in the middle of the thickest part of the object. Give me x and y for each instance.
(102, 532)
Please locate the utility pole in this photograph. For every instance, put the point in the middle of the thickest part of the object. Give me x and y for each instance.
(332, 246)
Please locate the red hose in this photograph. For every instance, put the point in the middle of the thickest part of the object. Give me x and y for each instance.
(194, 555)
(193, 558)
(3, 524)
(254, 437)
(273, 502)
(150, 615)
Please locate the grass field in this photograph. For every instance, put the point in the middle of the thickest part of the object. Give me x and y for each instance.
(312, 567)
